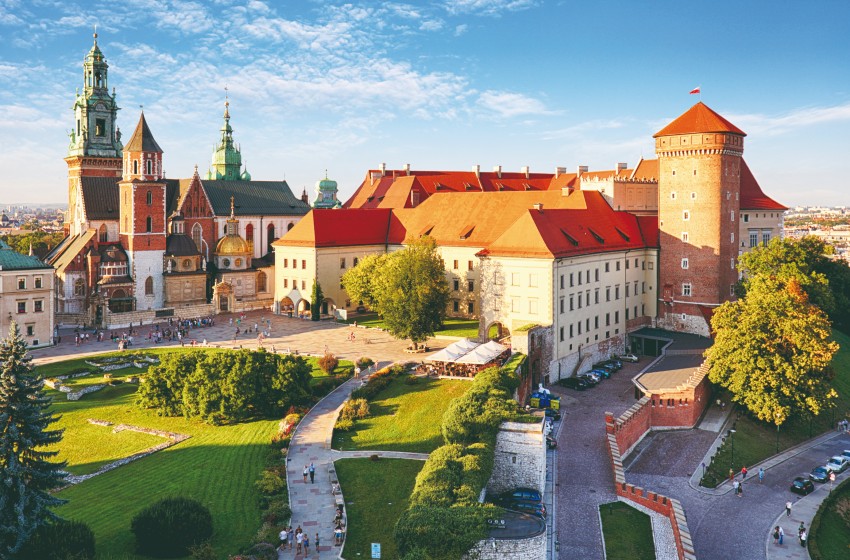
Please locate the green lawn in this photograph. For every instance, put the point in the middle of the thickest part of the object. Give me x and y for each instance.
(404, 417)
(452, 326)
(627, 532)
(376, 494)
(217, 466)
(830, 532)
(755, 441)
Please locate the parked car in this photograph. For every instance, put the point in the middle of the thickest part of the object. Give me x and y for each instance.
(627, 357)
(613, 365)
(838, 464)
(591, 378)
(846, 453)
(802, 485)
(609, 367)
(525, 494)
(576, 383)
(551, 443)
(819, 474)
(552, 413)
(601, 372)
(533, 508)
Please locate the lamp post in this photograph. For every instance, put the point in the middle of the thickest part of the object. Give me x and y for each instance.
(732, 443)
(776, 416)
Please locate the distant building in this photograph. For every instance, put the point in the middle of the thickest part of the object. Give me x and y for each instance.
(26, 296)
(326, 194)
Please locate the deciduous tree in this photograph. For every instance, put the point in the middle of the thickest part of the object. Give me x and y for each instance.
(26, 473)
(357, 280)
(773, 350)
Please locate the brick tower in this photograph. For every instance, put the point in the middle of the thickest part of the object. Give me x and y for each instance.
(142, 215)
(95, 141)
(699, 184)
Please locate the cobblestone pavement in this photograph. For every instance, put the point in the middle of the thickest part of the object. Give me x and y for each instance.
(584, 477)
(721, 525)
(305, 336)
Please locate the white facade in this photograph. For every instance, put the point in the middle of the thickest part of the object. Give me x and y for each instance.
(144, 265)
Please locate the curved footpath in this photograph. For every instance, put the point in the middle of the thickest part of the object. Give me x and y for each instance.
(313, 505)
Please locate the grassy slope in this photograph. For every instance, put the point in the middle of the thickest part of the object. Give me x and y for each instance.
(377, 493)
(754, 441)
(627, 532)
(217, 466)
(404, 417)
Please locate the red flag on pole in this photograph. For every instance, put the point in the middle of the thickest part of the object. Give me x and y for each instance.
(695, 90)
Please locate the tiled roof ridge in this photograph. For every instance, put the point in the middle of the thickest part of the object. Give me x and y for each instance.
(697, 119)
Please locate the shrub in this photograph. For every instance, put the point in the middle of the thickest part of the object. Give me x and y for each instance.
(364, 363)
(328, 363)
(344, 425)
(203, 551)
(277, 512)
(170, 527)
(411, 380)
(268, 533)
(437, 532)
(263, 551)
(372, 388)
(63, 540)
(289, 422)
(281, 441)
(324, 385)
(270, 483)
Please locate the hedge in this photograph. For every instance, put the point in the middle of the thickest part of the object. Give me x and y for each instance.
(840, 491)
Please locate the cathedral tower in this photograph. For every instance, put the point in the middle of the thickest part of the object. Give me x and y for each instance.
(95, 147)
(699, 184)
(227, 158)
(142, 221)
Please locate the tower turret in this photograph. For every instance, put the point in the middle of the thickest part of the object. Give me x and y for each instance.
(227, 158)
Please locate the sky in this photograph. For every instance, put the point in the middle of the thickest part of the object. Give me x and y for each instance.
(444, 85)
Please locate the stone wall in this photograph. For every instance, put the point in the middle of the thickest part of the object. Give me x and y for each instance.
(533, 548)
(520, 458)
(136, 318)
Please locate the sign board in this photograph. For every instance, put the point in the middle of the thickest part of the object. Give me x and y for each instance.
(376, 550)
(340, 314)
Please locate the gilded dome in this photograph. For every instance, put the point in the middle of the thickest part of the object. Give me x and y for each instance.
(232, 245)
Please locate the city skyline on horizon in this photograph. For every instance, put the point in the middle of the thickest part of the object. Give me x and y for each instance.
(346, 88)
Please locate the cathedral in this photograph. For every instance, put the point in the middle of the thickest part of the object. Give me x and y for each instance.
(140, 246)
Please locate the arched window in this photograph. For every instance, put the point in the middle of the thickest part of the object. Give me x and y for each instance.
(149, 196)
(270, 236)
(135, 167)
(249, 233)
(148, 167)
(196, 235)
(148, 224)
(290, 226)
(79, 287)
(149, 286)
(261, 281)
(102, 233)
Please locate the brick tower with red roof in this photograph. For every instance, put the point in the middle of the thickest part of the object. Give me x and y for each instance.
(699, 190)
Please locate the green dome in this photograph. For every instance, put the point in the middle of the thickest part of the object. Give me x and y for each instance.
(245, 176)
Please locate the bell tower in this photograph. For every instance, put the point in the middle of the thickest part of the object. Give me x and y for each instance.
(227, 157)
(94, 149)
(141, 222)
(699, 189)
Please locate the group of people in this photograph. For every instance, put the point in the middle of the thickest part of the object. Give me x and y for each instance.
(299, 538)
(738, 486)
(779, 533)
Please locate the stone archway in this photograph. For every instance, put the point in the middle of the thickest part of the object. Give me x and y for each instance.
(328, 306)
(497, 331)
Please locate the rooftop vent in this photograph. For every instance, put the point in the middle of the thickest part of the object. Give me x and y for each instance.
(538, 206)
(498, 171)
(525, 171)
(560, 171)
(406, 169)
(582, 169)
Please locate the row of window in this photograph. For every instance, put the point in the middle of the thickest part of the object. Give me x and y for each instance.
(37, 283)
(354, 262)
(37, 306)
(687, 289)
(746, 217)
(754, 238)
(294, 284)
(470, 265)
(631, 287)
(576, 329)
(470, 285)
(686, 215)
(295, 263)
(576, 277)
(516, 306)
(470, 307)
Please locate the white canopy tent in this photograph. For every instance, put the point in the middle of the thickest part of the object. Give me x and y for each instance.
(484, 354)
(454, 351)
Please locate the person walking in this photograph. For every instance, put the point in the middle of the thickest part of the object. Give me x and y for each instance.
(306, 545)
(788, 509)
(801, 529)
(312, 473)
(299, 541)
(731, 475)
(283, 536)
(831, 479)
(744, 472)
(735, 486)
(776, 535)
(781, 536)
(317, 544)
(804, 536)
(306, 472)
(761, 475)
(290, 536)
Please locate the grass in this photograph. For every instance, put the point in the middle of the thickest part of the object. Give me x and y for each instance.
(218, 466)
(755, 440)
(830, 532)
(376, 494)
(452, 326)
(627, 532)
(403, 417)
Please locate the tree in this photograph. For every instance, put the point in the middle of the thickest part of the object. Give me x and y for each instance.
(316, 301)
(773, 350)
(26, 474)
(408, 288)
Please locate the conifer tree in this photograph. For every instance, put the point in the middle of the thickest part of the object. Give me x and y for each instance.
(316, 304)
(26, 473)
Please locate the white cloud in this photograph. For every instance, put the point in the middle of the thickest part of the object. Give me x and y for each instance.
(507, 104)
(487, 7)
(431, 25)
(461, 29)
(765, 125)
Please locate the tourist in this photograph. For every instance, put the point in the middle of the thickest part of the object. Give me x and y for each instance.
(299, 541)
(317, 543)
(788, 509)
(306, 472)
(283, 537)
(761, 475)
(803, 538)
(312, 473)
(801, 529)
(776, 535)
(731, 475)
(290, 536)
(306, 544)
(744, 472)
(735, 486)
(781, 536)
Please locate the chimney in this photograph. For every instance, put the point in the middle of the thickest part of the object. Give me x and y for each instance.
(477, 170)
(581, 169)
(622, 165)
(524, 170)
(406, 169)
(538, 206)
(560, 171)
(383, 169)
(498, 171)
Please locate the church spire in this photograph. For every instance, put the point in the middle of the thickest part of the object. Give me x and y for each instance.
(227, 158)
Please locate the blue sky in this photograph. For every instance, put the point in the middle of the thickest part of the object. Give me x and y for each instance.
(439, 85)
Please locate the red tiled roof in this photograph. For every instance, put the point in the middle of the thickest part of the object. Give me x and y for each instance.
(752, 197)
(699, 118)
(344, 228)
(646, 169)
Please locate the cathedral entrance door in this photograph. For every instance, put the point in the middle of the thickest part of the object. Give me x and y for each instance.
(222, 302)
(98, 316)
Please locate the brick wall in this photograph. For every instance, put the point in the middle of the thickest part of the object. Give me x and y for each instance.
(680, 409)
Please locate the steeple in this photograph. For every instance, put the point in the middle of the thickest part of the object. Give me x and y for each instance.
(227, 158)
(142, 155)
(95, 132)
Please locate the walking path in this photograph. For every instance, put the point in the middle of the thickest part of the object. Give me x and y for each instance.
(313, 503)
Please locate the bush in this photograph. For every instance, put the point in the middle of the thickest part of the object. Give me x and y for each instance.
(263, 551)
(289, 422)
(170, 527)
(270, 483)
(63, 540)
(203, 551)
(324, 385)
(328, 363)
(373, 387)
(277, 512)
(344, 425)
(365, 363)
(437, 532)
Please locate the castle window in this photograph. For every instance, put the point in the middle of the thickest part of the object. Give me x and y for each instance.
(455, 306)
(270, 236)
(456, 285)
(732, 263)
(765, 238)
(471, 286)
(261, 281)
(148, 224)
(561, 334)
(196, 235)
(149, 286)
(686, 289)
(685, 264)
(38, 282)
(746, 217)
(732, 216)
(148, 167)
(102, 233)
(135, 167)
(695, 174)
(673, 194)
(685, 236)
(686, 215)
(693, 194)
(249, 233)
(100, 127)
(674, 173)
(79, 287)
(22, 283)
(754, 238)
(728, 195)
(149, 197)
(732, 237)
(731, 289)
(38, 305)
(470, 308)
(342, 263)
